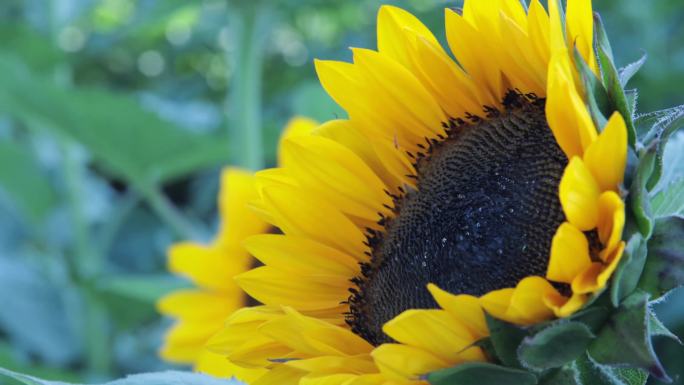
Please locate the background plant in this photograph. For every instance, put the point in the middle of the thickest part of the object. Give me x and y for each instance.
(116, 116)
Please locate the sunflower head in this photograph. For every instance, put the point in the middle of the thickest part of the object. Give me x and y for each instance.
(467, 218)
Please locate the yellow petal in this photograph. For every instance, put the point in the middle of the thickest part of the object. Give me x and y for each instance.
(349, 134)
(611, 219)
(393, 23)
(538, 26)
(406, 98)
(527, 301)
(566, 112)
(451, 87)
(299, 212)
(466, 44)
(586, 282)
(464, 308)
(569, 254)
(335, 364)
(274, 287)
(496, 302)
(295, 127)
(314, 337)
(562, 306)
(198, 305)
(218, 365)
(299, 255)
(434, 331)
(280, 375)
(606, 157)
(580, 29)
(556, 34)
(579, 195)
(333, 379)
(336, 171)
(209, 266)
(237, 220)
(597, 275)
(403, 362)
(240, 327)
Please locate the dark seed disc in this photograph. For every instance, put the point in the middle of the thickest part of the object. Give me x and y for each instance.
(482, 218)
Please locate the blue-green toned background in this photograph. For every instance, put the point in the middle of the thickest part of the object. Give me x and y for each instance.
(116, 117)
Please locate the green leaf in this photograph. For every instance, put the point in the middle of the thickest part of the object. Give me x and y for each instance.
(593, 317)
(628, 71)
(632, 100)
(505, 338)
(595, 94)
(628, 273)
(123, 137)
(657, 328)
(611, 80)
(555, 346)
(664, 270)
(23, 179)
(669, 200)
(666, 123)
(639, 202)
(562, 376)
(630, 376)
(625, 341)
(651, 124)
(159, 378)
(592, 373)
(480, 373)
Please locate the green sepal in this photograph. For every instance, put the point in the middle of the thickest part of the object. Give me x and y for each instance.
(590, 372)
(669, 200)
(566, 375)
(657, 329)
(628, 71)
(651, 125)
(611, 79)
(632, 98)
(593, 316)
(664, 269)
(625, 340)
(639, 200)
(481, 373)
(555, 346)
(665, 129)
(595, 93)
(628, 273)
(505, 339)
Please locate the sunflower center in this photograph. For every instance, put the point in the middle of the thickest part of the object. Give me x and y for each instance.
(481, 218)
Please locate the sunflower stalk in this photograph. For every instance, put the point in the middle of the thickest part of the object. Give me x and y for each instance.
(249, 22)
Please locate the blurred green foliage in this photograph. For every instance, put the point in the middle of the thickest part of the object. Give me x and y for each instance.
(116, 117)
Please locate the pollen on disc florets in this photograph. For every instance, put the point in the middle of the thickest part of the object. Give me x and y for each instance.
(481, 218)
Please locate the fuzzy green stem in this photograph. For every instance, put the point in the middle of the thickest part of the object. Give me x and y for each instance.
(249, 23)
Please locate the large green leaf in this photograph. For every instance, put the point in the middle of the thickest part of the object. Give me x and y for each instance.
(479, 373)
(555, 346)
(127, 140)
(625, 341)
(664, 269)
(160, 378)
(505, 339)
(22, 178)
(629, 271)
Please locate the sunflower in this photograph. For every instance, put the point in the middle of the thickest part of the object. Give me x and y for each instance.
(455, 189)
(200, 312)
